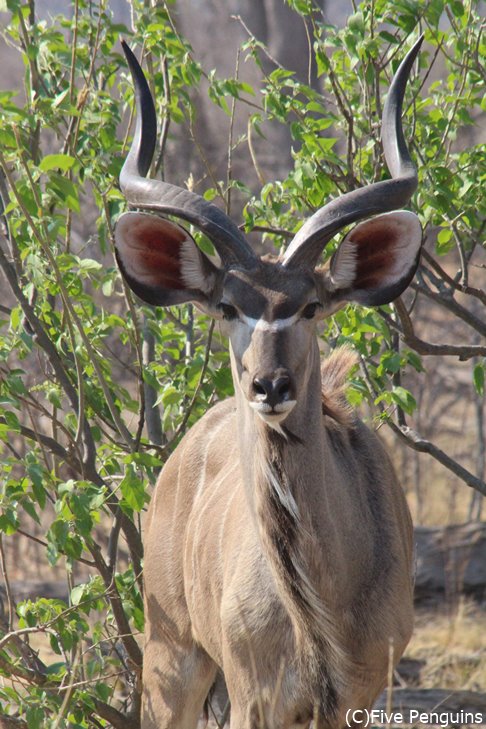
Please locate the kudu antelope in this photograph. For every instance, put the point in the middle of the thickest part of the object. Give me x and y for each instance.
(278, 543)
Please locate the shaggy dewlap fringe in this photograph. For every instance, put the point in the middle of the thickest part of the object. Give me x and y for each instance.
(334, 374)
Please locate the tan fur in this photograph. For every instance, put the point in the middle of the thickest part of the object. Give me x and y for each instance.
(294, 589)
(335, 371)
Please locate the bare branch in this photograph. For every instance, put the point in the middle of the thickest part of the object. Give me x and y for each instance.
(464, 289)
(129, 642)
(12, 722)
(449, 303)
(415, 441)
(52, 445)
(462, 351)
(115, 717)
(150, 410)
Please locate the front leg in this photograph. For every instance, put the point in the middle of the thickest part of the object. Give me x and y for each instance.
(177, 678)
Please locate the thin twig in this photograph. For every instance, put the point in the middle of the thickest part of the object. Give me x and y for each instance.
(26, 631)
(202, 374)
(8, 591)
(251, 149)
(252, 36)
(229, 167)
(164, 134)
(273, 231)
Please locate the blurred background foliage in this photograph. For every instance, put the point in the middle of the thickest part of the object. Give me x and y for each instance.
(96, 390)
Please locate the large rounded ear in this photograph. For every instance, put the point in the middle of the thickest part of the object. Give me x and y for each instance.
(377, 260)
(161, 262)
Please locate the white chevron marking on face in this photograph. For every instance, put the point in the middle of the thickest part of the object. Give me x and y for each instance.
(263, 325)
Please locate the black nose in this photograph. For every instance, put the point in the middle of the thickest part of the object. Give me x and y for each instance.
(272, 391)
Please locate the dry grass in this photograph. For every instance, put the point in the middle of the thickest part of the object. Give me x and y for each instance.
(452, 642)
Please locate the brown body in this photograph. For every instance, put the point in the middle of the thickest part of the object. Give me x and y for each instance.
(278, 543)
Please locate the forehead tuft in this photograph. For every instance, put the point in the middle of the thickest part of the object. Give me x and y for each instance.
(268, 290)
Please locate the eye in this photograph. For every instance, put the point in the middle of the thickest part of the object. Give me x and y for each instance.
(229, 311)
(309, 311)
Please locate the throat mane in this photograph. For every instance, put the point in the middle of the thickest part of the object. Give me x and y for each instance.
(293, 553)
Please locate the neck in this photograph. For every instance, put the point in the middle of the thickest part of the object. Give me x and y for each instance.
(284, 475)
(290, 459)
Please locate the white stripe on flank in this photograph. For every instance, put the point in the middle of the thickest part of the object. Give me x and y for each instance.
(201, 482)
(263, 325)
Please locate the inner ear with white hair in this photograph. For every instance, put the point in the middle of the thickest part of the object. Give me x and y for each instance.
(376, 261)
(161, 262)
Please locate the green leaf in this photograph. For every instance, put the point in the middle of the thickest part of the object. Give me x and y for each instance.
(31, 510)
(388, 37)
(133, 490)
(457, 8)
(8, 521)
(223, 381)
(16, 318)
(57, 162)
(478, 377)
(356, 23)
(77, 594)
(404, 399)
(445, 241)
(414, 360)
(35, 717)
(88, 264)
(37, 477)
(103, 691)
(390, 362)
(67, 192)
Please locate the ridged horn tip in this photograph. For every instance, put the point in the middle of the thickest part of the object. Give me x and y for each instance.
(141, 154)
(394, 147)
(165, 198)
(376, 198)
